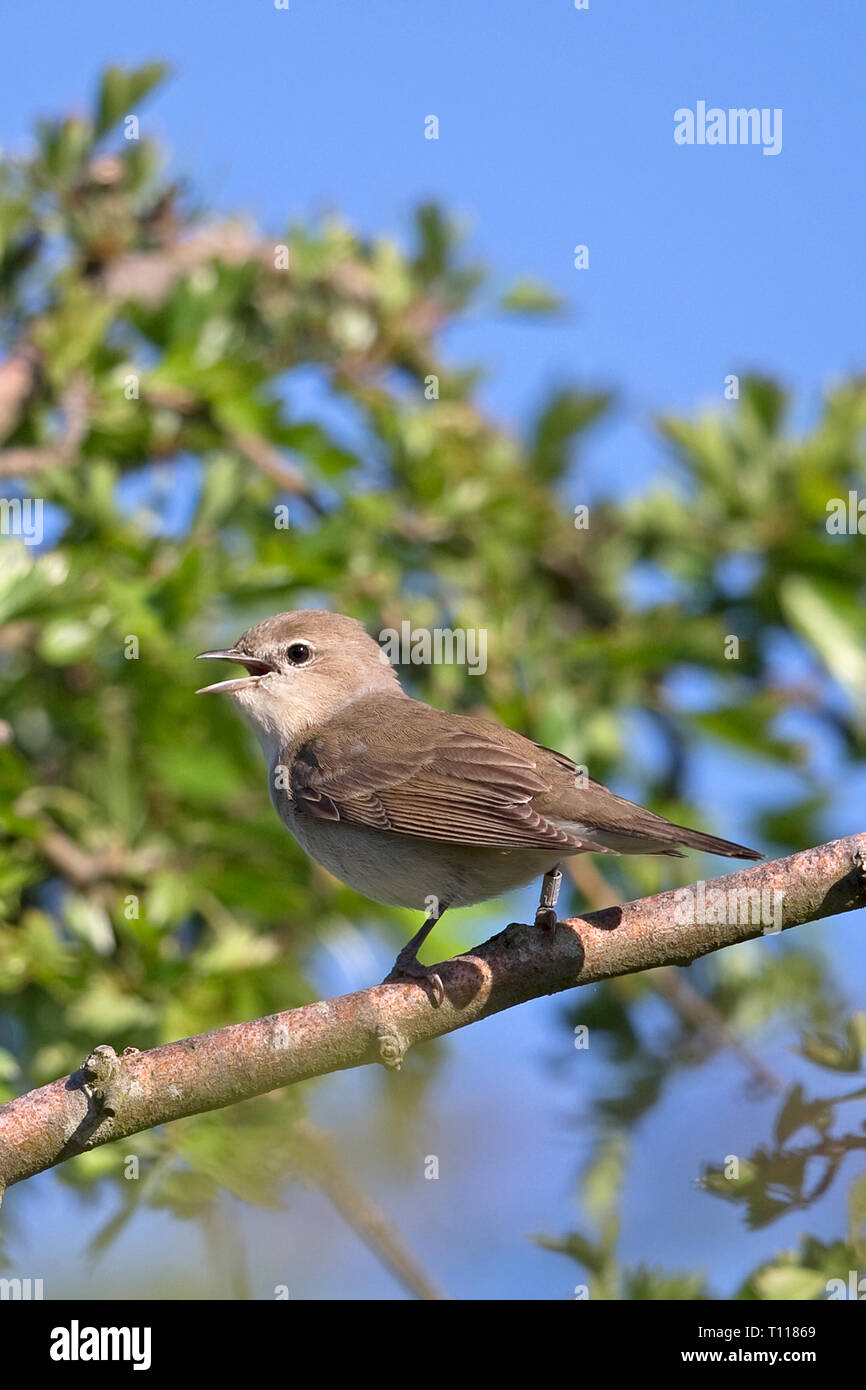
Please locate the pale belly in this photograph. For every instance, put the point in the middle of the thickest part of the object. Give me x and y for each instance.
(403, 871)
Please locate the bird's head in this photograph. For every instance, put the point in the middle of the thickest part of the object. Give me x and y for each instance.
(301, 668)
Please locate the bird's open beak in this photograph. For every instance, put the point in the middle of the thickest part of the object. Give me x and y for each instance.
(256, 668)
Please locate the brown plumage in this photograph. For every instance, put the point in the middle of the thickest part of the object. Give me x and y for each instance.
(412, 805)
(456, 778)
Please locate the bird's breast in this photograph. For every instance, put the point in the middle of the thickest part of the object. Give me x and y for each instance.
(407, 871)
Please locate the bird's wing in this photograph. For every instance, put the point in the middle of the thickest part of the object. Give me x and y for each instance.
(434, 775)
(632, 829)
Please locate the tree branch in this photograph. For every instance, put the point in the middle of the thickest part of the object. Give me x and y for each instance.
(111, 1097)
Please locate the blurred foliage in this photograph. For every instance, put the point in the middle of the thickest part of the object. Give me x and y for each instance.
(768, 1184)
(170, 381)
(608, 1278)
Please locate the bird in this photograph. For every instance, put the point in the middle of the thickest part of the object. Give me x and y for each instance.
(414, 806)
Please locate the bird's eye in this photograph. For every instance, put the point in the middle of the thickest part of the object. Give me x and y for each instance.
(299, 653)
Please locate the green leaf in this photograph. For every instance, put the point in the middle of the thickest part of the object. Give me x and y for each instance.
(788, 1282)
(564, 416)
(122, 89)
(585, 1252)
(830, 626)
(857, 1216)
(529, 297)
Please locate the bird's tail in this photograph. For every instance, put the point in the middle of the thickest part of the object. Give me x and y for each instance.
(711, 844)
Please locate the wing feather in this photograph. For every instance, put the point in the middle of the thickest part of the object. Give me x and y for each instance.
(450, 783)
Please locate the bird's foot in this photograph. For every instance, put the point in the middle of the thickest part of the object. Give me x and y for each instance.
(409, 967)
(546, 918)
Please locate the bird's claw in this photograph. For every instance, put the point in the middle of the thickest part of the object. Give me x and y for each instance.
(423, 974)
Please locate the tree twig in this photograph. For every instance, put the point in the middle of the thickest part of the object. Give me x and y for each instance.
(111, 1097)
(326, 1172)
(63, 449)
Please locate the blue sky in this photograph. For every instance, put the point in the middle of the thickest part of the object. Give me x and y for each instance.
(556, 128)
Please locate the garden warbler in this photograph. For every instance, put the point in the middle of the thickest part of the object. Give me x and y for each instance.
(410, 805)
